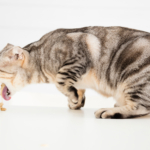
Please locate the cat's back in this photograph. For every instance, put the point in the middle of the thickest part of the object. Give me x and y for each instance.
(110, 37)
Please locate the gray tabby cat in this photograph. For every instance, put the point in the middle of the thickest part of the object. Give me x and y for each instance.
(114, 61)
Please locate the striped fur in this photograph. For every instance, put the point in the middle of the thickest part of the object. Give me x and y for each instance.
(114, 61)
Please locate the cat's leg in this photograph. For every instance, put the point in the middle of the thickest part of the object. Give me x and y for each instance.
(65, 80)
(131, 109)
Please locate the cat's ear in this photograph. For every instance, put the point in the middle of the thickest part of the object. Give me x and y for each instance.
(9, 45)
(17, 53)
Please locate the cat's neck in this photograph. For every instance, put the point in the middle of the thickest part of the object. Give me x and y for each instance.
(36, 66)
(31, 70)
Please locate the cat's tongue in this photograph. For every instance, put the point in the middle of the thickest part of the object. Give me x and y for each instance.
(5, 94)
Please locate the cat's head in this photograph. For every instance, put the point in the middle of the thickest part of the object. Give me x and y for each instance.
(12, 59)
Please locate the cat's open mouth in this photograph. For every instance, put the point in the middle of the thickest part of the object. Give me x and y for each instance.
(6, 93)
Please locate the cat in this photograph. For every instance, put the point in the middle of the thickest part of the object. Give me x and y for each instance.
(114, 61)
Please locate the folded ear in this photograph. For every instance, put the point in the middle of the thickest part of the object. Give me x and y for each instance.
(9, 45)
(17, 53)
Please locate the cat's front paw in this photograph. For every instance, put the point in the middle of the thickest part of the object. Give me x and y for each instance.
(77, 105)
(105, 113)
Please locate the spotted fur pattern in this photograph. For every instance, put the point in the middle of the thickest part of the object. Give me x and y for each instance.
(114, 61)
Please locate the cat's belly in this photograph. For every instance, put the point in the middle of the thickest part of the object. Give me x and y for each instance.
(89, 80)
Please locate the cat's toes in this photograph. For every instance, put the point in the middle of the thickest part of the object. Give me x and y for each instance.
(107, 113)
(73, 106)
(77, 105)
(99, 113)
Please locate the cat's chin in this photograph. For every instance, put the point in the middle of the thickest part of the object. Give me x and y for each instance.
(6, 94)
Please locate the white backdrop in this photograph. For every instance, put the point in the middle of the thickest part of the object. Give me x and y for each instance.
(25, 21)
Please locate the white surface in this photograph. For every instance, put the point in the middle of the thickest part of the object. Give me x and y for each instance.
(31, 128)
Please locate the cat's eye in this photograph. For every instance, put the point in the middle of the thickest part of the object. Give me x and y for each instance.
(16, 56)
